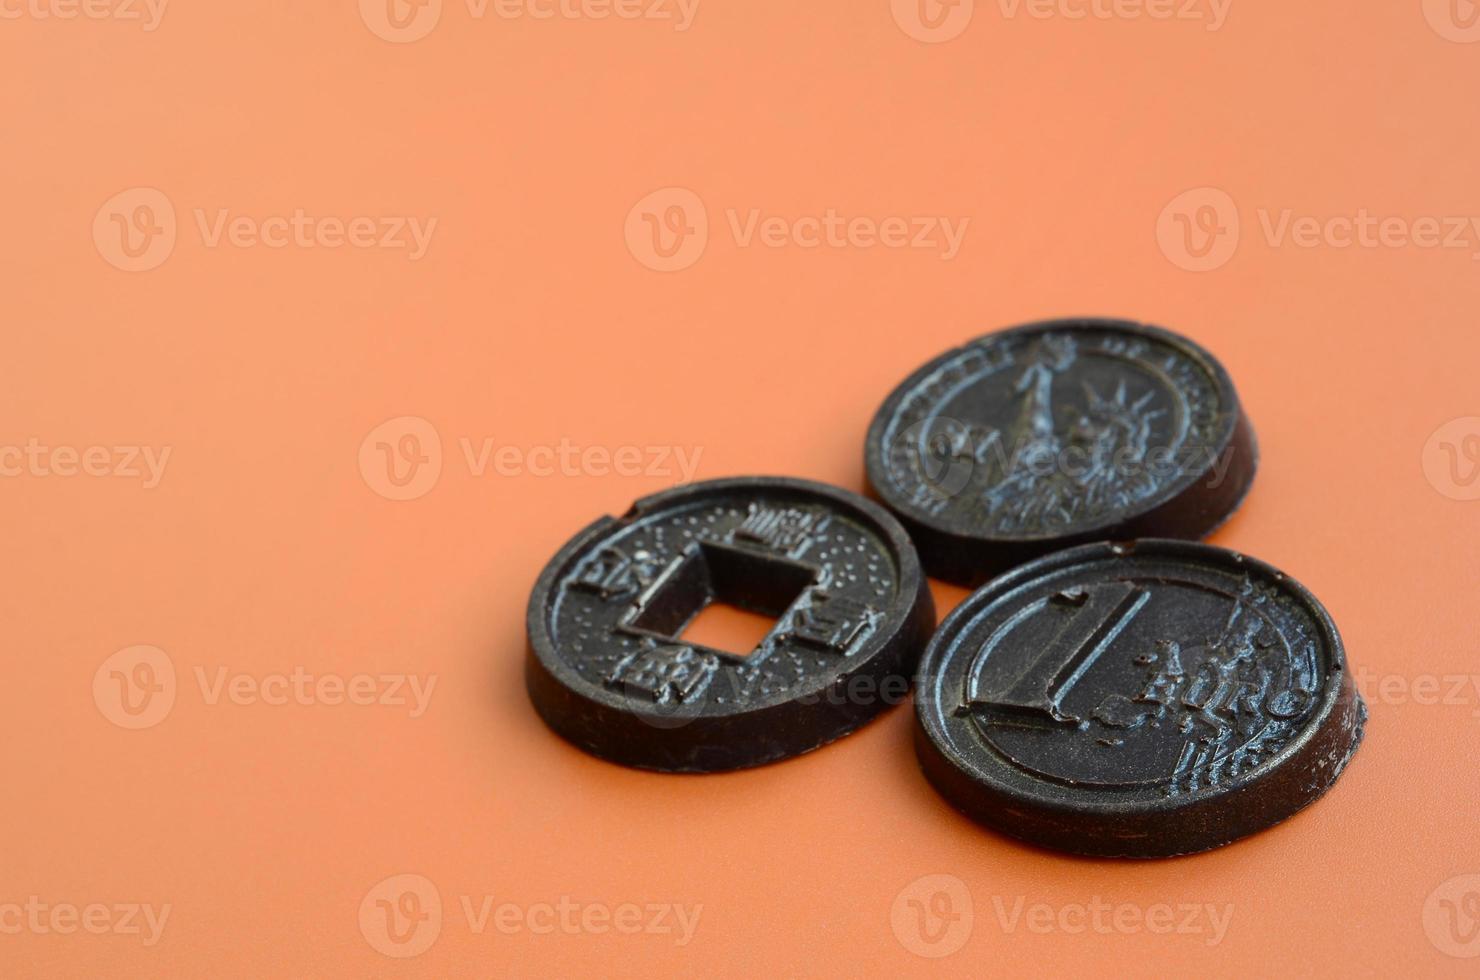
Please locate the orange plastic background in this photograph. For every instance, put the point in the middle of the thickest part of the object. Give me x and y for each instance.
(533, 320)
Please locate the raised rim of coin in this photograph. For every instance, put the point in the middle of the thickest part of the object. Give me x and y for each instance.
(636, 716)
(1127, 814)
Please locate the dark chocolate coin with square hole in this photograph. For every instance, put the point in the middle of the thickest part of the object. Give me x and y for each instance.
(1055, 434)
(609, 667)
(1136, 700)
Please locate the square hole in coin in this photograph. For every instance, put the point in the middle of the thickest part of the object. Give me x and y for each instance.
(724, 598)
(721, 626)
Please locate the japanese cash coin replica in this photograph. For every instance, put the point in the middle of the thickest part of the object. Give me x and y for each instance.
(1055, 434)
(1137, 700)
(608, 670)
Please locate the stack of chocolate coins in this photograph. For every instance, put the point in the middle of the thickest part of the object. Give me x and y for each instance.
(1112, 687)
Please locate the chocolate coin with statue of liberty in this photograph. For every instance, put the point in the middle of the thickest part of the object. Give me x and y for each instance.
(1140, 699)
(1055, 434)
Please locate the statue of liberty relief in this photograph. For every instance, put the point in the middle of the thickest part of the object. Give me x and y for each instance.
(1074, 472)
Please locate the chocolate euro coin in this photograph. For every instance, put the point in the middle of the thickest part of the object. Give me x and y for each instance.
(1138, 700)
